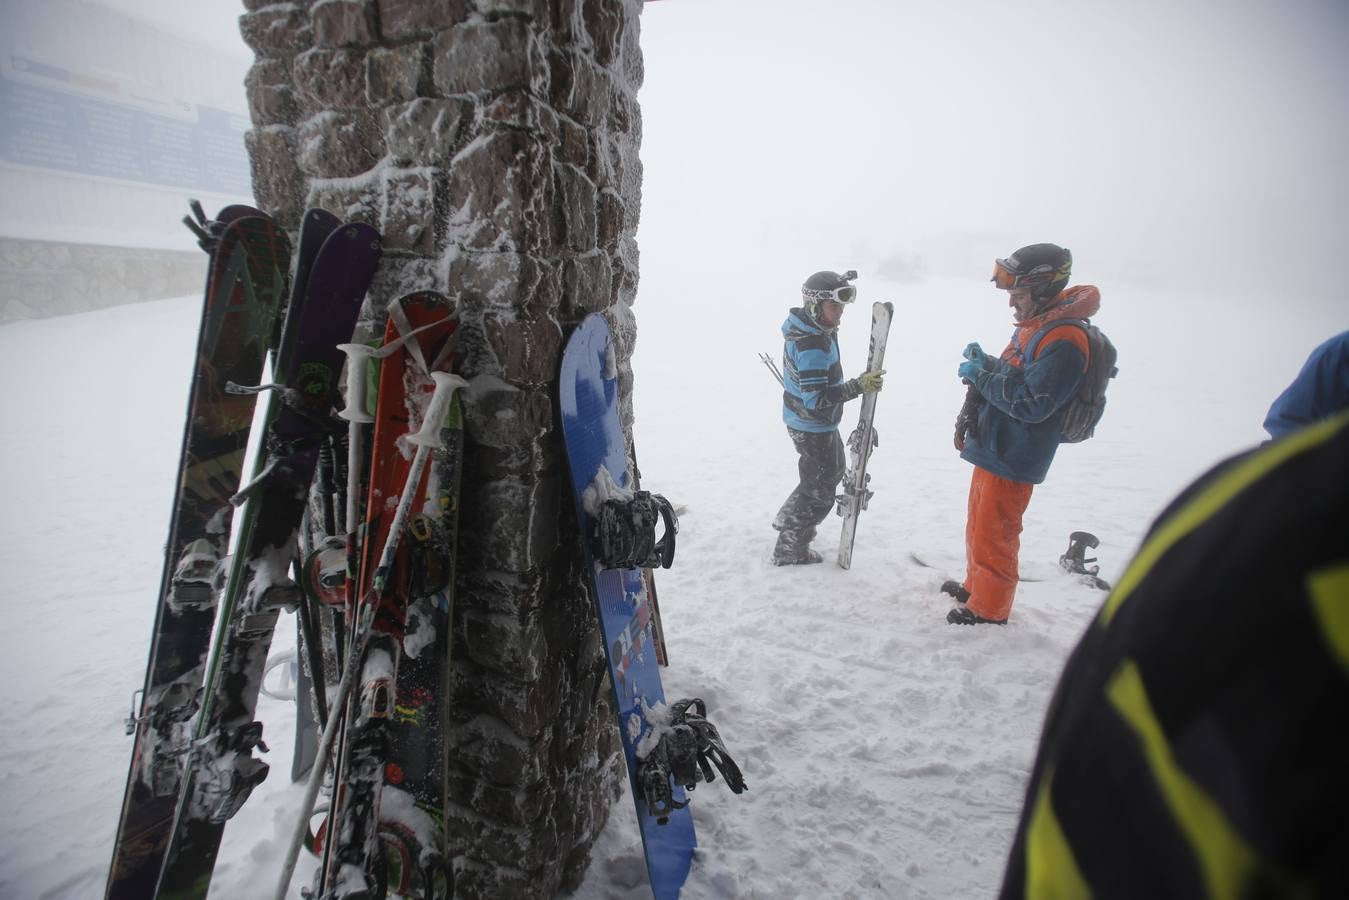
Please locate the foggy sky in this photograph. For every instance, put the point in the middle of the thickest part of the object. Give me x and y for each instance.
(1198, 143)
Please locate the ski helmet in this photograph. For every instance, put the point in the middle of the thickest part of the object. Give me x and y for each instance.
(826, 285)
(1044, 268)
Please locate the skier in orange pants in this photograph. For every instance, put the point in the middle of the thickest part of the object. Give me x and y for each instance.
(1010, 425)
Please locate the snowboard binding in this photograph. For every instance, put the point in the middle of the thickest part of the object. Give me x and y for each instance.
(685, 754)
(623, 532)
(207, 231)
(1074, 561)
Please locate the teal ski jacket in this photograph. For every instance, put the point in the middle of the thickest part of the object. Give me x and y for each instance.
(813, 389)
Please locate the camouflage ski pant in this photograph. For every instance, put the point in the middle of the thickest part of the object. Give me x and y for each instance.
(820, 467)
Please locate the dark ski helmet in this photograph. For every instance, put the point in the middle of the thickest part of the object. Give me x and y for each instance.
(827, 286)
(1044, 268)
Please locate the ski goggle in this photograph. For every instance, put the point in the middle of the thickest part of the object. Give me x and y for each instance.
(845, 294)
(1006, 277)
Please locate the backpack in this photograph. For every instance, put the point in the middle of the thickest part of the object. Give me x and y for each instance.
(1084, 410)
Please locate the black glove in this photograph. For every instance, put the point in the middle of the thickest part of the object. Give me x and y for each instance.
(968, 417)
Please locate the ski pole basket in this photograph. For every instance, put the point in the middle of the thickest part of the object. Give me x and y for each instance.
(623, 532)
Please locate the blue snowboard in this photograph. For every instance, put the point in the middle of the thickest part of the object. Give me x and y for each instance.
(588, 393)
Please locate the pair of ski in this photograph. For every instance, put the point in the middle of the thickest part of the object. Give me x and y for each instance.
(192, 763)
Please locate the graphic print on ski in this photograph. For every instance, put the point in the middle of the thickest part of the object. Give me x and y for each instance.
(245, 290)
(221, 771)
(588, 395)
(855, 492)
(393, 755)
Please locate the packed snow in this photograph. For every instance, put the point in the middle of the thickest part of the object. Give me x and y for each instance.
(886, 751)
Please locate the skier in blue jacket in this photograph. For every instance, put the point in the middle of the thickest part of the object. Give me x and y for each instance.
(813, 395)
(1320, 390)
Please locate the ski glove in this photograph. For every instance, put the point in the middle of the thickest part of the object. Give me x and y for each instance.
(969, 371)
(968, 418)
(871, 382)
(976, 354)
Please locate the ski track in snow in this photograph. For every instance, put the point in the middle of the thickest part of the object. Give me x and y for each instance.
(886, 752)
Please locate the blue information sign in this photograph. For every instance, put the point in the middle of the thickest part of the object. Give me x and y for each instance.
(50, 120)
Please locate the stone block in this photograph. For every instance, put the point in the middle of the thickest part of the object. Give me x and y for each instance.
(276, 28)
(611, 221)
(343, 23)
(525, 709)
(587, 285)
(631, 67)
(486, 748)
(500, 194)
(271, 100)
(340, 144)
(528, 351)
(576, 202)
(522, 110)
(511, 645)
(504, 282)
(522, 532)
(537, 10)
(577, 87)
(573, 147)
(604, 24)
(350, 199)
(400, 20)
(397, 74)
(425, 132)
(490, 56)
(277, 181)
(407, 220)
(331, 79)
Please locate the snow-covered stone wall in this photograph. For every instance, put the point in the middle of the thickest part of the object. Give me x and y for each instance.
(494, 144)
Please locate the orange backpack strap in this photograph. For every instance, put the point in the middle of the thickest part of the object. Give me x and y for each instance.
(1074, 330)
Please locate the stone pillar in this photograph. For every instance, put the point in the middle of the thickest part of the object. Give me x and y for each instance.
(494, 143)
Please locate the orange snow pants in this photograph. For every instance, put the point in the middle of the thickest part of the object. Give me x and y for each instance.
(992, 541)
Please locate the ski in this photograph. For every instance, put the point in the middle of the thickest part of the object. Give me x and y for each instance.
(221, 770)
(388, 811)
(245, 289)
(596, 455)
(856, 493)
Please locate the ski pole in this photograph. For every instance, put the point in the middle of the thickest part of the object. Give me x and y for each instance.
(772, 368)
(311, 789)
(426, 440)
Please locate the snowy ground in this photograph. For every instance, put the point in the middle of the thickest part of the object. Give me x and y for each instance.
(886, 751)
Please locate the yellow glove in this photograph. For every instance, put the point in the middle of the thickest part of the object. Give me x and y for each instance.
(871, 382)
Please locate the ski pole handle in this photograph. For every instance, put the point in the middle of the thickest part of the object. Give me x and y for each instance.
(358, 357)
(428, 435)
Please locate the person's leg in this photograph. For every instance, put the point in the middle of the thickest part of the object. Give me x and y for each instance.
(992, 577)
(820, 466)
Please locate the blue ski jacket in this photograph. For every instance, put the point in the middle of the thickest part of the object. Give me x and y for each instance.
(1017, 431)
(1319, 390)
(813, 389)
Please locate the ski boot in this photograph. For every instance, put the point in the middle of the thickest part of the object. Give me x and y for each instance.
(957, 591)
(963, 615)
